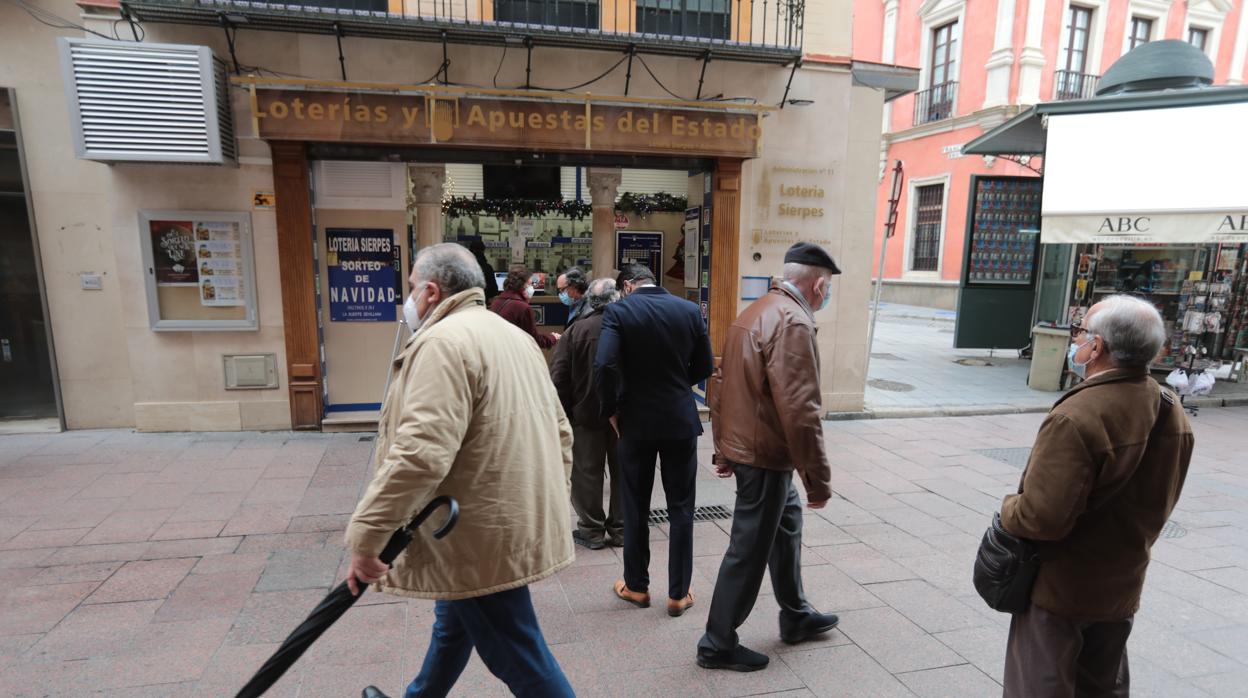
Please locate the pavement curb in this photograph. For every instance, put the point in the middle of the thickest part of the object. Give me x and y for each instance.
(989, 410)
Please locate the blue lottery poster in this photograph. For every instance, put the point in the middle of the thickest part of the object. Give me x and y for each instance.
(362, 279)
(633, 247)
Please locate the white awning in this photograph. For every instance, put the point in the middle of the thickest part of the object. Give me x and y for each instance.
(1154, 175)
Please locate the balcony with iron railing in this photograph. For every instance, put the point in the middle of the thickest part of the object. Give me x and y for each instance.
(767, 31)
(1068, 85)
(935, 103)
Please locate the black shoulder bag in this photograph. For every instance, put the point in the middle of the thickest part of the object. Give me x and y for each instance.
(1006, 565)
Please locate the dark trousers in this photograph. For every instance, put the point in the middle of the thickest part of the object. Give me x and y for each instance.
(503, 629)
(591, 450)
(1050, 656)
(766, 533)
(678, 459)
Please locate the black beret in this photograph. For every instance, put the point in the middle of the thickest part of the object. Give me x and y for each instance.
(812, 255)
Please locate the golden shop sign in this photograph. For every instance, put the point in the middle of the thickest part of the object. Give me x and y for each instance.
(504, 123)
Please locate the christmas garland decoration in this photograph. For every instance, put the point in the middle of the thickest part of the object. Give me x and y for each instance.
(652, 203)
(457, 206)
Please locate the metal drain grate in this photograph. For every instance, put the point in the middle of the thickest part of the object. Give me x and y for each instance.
(886, 356)
(1016, 457)
(711, 513)
(1172, 529)
(891, 386)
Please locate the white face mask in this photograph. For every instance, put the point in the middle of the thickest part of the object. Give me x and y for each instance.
(1079, 369)
(410, 316)
(528, 291)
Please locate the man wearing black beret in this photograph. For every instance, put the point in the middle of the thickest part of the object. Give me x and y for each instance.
(766, 414)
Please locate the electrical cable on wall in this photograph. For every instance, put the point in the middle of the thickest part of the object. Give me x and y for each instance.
(54, 20)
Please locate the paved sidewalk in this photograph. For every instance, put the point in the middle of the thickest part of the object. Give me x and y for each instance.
(173, 564)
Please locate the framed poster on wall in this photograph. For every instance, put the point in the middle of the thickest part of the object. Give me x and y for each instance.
(638, 247)
(200, 270)
(362, 276)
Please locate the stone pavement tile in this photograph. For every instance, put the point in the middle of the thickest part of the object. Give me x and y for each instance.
(217, 595)
(928, 607)
(684, 680)
(37, 502)
(188, 529)
(606, 556)
(775, 678)
(368, 635)
(141, 580)
(158, 495)
(708, 539)
(269, 617)
(128, 527)
(83, 554)
(1231, 642)
(589, 587)
(323, 522)
(30, 540)
(267, 543)
(232, 480)
(1151, 681)
(307, 468)
(233, 666)
(260, 518)
(953, 574)
(817, 531)
(1230, 577)
(19, 576)
(215, 506)
(78, 513)
(966, 496)
(950, 682)
(865, 564)
(865, 495)
(761, 632)
(1175, 613)
(959, 546)
(349, 680)
(1182, 656)
(1188, 586)
(843, 671)
(329, 500)
(231, 562)
(12, 525)
(161, 690)
(25, 610)
(554, 613)
(336, 476)
(982, 646)
(69, 574)
(278, 491)
(895, 642)
(94, 631)
(187, 473)
(915, 522)
(114, 485)
(888, 482)
(1229, 685)
(842, 512)
(832, 591)
(933, 504)
(300, 569)
(166, 653)
(190, 547)
(889, 539)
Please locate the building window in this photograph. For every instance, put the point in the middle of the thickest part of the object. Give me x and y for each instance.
(1076, 48)
(928, 214)
(1198, 37)
(1141, 31)
(702, 19)
(944, 55)
(578, 14)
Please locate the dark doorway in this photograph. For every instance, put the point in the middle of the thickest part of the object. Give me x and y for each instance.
(27, 382)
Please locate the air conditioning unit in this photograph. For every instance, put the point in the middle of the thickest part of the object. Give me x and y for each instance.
(134, 102)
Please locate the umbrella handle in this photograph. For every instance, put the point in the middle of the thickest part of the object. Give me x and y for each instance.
(451, 517)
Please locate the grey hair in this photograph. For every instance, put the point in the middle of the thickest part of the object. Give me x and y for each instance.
(450, 266)
(576, 278)
(601, 293)
(1131, 328)
(795, 272)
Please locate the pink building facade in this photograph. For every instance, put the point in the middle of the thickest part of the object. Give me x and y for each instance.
(980, 62)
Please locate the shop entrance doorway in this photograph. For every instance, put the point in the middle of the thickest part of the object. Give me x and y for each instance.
(27, 375)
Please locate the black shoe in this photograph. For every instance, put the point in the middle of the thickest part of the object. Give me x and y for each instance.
(737, 659)
(583, 540)
(373, 692)
(811, 626)
(615, 541)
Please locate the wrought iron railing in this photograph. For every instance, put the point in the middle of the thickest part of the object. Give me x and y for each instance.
(934, 103)
(743, 29)
(1067, 84)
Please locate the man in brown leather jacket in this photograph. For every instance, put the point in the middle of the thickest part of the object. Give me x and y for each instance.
(1106, 471)
(766, 414)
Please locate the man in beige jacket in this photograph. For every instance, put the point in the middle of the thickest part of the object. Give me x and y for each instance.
(471, 413)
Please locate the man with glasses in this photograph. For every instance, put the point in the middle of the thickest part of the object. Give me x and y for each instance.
(571, 286)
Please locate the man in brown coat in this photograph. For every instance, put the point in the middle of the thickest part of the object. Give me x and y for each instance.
(766, 414)
(1106, 471)
(593, 439)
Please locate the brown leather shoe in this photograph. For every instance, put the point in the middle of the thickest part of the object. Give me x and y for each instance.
(640, 599)
(677, 608)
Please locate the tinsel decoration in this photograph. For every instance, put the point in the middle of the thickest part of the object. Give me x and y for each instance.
(652, 203)
(509, 209)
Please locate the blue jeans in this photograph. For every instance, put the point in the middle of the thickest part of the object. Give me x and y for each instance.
(503, 628)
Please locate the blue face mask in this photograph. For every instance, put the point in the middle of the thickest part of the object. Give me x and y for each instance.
(827, 298)
(565, 298)
(1079, 369)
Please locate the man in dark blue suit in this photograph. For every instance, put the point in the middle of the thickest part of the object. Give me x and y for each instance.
(652, 350)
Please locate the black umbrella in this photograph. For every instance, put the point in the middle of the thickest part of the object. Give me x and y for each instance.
(337, 603)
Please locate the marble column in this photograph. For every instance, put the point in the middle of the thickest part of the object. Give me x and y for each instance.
(427, 184)
(604, 187)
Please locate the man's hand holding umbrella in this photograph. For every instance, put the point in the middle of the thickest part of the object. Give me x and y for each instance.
(364, 568)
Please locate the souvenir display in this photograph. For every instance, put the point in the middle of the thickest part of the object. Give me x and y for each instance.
(1005, 231)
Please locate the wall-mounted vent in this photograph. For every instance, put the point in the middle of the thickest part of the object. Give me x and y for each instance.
(348, 184)
(133, 102)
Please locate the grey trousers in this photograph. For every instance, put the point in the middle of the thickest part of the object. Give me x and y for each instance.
(766, 534)
(591, 450)
(1051, 656)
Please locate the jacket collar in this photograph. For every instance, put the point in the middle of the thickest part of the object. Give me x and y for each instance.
(790, 290)
(464, 300)
(513, 295)
(1113, 375)
(649, 290)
